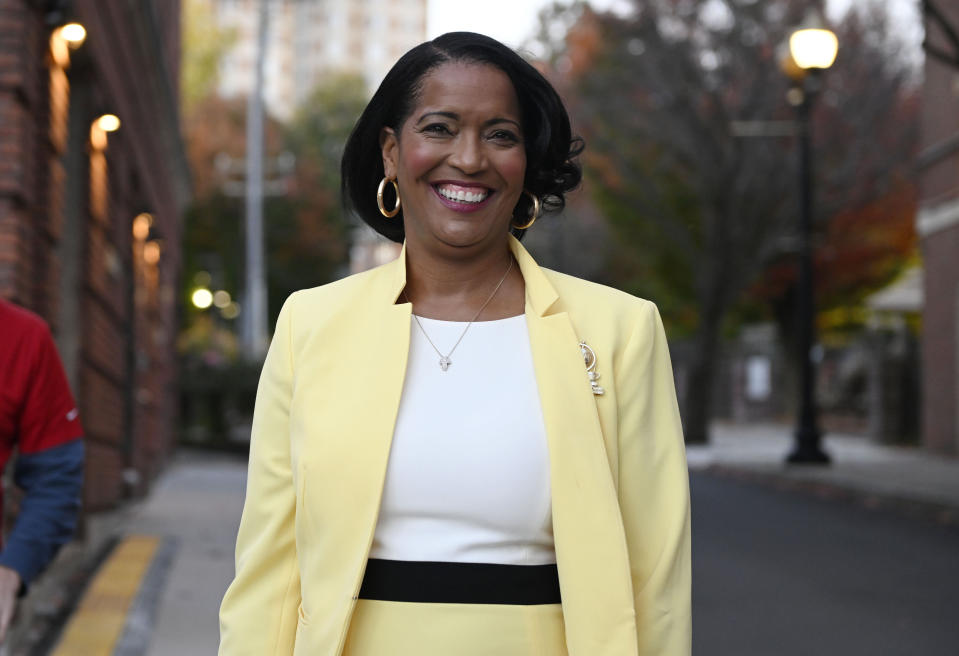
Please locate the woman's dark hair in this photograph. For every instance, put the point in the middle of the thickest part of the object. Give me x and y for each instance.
(550, 146)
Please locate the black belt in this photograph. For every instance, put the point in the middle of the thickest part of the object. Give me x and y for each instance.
(460, 583)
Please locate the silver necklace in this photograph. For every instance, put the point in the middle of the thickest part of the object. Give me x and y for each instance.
(445, 361)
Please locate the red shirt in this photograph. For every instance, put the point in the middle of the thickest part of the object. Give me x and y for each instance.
(37, 410)
(39, 417)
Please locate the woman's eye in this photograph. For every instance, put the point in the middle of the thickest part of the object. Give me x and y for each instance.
(437, 129)
(504, 135)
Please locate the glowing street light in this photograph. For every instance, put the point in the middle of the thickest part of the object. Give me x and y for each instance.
(813, 48)
(99, 129)
(74, 34)
(221, 298)
(231, 311)
(108, 123)
(151, 252)
(141, 226)
(202, 298)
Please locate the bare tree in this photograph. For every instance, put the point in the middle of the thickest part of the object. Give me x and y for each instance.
(700, 211)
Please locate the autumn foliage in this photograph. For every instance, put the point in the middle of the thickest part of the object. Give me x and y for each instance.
(704, 217)
(859, 251)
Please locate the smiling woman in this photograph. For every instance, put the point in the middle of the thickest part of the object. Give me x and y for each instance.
(530, 117)
(436, 466)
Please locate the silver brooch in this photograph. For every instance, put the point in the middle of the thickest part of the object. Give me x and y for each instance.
(589, 357)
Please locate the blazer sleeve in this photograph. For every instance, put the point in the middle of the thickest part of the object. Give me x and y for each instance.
(259, 612)
(654, 491)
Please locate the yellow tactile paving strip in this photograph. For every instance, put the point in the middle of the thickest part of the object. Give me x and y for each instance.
(97, 623)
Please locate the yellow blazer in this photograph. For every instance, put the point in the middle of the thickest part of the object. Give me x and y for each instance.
(325, 411)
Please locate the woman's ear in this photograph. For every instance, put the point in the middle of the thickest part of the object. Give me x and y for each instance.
(389, 147)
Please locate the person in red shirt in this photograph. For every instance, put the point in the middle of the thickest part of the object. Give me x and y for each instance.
(38, 418)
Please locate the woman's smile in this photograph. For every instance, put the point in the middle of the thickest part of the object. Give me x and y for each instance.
(462, 197)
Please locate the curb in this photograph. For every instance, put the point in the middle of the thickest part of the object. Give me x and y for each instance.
(77, 588)
(116, 612)
(939, 513)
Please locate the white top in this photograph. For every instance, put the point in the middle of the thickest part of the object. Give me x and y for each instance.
(468, 475)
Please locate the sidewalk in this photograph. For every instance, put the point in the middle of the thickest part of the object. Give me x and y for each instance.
(159, 591)
(906, 477)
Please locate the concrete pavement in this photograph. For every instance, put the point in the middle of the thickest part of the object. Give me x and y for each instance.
(898, 476)
(778, 573)
(198, 503)
(193, 511)
(192, 514)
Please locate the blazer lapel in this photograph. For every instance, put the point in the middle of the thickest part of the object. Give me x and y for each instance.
(590, 541)
(379, 370)
(378, 373)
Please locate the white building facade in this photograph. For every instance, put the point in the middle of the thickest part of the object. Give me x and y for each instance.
(308, 39)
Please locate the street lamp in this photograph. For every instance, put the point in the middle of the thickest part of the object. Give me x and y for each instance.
(141, 226)
(202, 298)
(74, 34)
(108, 122)
(100, 127)
(151, 252)
(813, 50)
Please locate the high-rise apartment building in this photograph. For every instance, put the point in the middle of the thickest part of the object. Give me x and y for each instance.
(308, 39)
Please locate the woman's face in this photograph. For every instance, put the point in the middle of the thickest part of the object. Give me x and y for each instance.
(459, 158)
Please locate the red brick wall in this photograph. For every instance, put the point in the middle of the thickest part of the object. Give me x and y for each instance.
(124, 375)
(20, 99)
(30, 176)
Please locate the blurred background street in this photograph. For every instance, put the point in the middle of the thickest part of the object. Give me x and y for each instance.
(780, 177)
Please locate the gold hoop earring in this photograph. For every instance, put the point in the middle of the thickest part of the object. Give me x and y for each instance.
(379, 197)
(533, 216)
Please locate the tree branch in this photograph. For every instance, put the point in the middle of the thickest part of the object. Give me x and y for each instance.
(937, 16)
(946, 58)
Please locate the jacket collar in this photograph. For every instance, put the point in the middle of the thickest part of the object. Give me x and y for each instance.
(396, 275)
(540, 293)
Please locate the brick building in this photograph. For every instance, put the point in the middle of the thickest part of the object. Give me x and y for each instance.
(90, 218)
(938, 227)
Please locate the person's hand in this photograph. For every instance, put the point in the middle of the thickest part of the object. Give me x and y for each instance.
(9, 587)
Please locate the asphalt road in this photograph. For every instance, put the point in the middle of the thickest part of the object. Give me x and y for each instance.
(784, 574)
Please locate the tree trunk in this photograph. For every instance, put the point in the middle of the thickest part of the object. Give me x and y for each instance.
(698, 393)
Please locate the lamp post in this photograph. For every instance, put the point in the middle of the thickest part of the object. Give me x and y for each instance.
(254, 329)
(812, 50)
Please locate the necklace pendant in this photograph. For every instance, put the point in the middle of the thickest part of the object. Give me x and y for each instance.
(445, 362)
